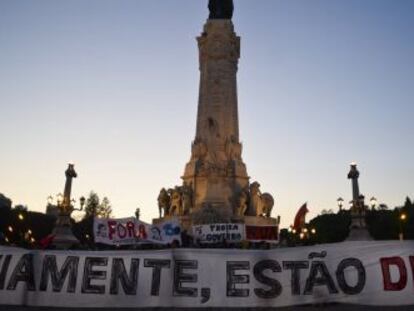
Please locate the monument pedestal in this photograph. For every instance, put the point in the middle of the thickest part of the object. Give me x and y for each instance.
(63, 235)
(359, 234)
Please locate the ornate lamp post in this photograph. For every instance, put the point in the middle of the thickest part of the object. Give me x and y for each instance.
(138, 213)
(373, 202)
(63, 235)
(340, 202)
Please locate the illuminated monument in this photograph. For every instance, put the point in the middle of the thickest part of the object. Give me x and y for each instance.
(216, 186)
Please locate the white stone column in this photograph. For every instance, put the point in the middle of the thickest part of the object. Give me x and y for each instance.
(216, 171)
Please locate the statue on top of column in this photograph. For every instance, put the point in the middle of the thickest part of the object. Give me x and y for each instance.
(220, 9)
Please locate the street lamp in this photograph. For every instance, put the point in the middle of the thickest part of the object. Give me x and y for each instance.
(59, 199)
(403, 217)
(340, 202)
(138, 213)
(373, 202)
(82, 202)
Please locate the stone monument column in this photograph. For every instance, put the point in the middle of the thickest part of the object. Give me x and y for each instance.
(216, 186)
(216, 171)
(358, 228)
(63, 235)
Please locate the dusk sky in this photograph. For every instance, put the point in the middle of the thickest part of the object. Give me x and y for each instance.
(113, 87)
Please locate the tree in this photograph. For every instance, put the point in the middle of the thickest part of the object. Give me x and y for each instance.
(92, 205)
(21, 208)
(105, 208)
(408, 203)
(95, 208)
(331, 228)
(382, 224)
(5, 202)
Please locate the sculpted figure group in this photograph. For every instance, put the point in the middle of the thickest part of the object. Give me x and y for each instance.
(253, 202)
(178, 201)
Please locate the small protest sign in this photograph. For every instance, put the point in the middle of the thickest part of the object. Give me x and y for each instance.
(217, 233)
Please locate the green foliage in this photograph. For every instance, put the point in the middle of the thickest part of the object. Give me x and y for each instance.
(21, 208)
(5, 202)
(95, 208)
(92, 205)
(382, 224)
(105, 208)
(331, 228)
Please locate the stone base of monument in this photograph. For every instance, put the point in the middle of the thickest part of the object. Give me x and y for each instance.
(63, 235)
(359, 234)
(64, 238)
(358, 229)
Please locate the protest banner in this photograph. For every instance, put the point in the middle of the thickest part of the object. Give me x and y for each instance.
(365, 273)
(130, 231)
(268, 234)
(216, 233)
(166, 232)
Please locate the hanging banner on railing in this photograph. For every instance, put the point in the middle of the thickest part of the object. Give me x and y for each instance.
(166, 232)
(130, 231)
(218, 233)
(268, 234)
(364, 273)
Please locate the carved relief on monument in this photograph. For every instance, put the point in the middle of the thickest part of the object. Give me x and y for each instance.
(218, 168)
(187, 199)
(233, 149)
(242, 203)
(219, 41)
(222, 73)
(198, 150)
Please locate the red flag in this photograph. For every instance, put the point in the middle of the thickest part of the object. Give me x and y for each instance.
(46, 241)
(300, 217)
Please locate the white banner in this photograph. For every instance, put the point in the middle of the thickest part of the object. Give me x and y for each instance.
(129, 231)
(217, 233)
(365, 273)
(166, 232)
